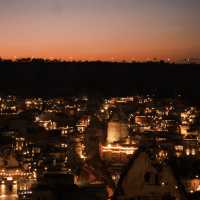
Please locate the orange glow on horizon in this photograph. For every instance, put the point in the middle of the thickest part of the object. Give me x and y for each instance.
(100, 30)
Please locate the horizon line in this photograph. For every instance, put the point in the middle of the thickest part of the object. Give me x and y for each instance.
(154, 60)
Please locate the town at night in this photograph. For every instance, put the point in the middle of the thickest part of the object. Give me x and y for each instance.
(88, 148)
(99, 100)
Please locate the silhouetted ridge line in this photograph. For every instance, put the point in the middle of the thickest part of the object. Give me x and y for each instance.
(44, 77)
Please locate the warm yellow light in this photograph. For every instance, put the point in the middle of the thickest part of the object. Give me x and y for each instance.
(119, 149)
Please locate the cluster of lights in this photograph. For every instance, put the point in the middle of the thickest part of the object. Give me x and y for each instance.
(119, 149)
(10, 176)
(34, 103)
(194, 184)
(83, 124)
(153, 119)
(188, 151)
(26, 192)
(8, 105)
(189, 116)
(131, 99)
(47, 124)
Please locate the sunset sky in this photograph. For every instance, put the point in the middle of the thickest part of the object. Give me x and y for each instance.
(100, 29)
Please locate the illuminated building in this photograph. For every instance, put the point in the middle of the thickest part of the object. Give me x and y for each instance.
(117, 128)
(53, 121)
(184, 129)
(117, 152)
(12, 172)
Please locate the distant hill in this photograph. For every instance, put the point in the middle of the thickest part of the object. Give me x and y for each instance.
(44, 77)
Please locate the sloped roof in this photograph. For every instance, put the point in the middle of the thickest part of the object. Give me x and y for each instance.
(150, 151)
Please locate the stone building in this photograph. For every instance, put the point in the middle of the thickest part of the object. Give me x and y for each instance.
(117, 128)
